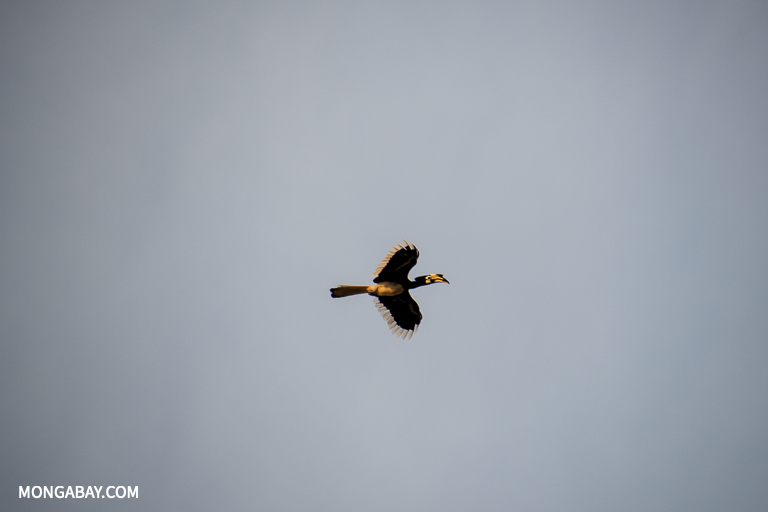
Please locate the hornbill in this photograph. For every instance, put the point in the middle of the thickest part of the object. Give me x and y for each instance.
(391, 289)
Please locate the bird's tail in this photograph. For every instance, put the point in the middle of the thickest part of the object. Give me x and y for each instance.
(344, 290)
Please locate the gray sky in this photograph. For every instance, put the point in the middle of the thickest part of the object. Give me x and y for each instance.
(181, 183)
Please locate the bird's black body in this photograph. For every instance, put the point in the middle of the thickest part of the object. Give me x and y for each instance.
(391, 289)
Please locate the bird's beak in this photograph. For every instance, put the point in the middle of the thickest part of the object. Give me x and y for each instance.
(438, 278)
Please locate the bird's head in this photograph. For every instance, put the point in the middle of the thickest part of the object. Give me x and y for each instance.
(430, 279)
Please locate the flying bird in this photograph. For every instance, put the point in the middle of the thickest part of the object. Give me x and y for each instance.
(391, 289)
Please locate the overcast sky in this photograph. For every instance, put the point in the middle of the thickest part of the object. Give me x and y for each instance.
(182, 182)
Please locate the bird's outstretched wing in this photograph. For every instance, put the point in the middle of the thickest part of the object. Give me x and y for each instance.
(401, 313)
(396, 264)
